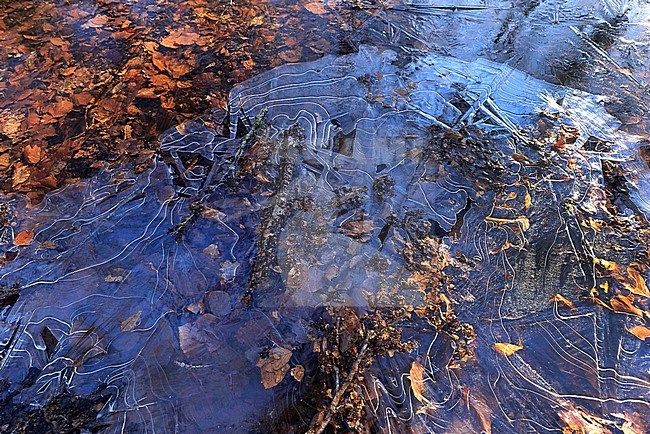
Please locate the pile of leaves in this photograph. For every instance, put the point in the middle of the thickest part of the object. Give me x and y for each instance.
(92, 83)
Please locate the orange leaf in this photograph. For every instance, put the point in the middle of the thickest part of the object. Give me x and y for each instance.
(417, 381)
(131, 322)
(622, 304)
(640, 287)
(560, 299)
(317, 8)
(23, 238)
(32, 153)
(61, 108)
(640, 332)
(507, 349)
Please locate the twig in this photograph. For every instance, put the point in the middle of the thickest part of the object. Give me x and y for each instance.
(324, 417)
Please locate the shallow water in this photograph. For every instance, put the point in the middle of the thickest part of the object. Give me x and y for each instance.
(479, 129)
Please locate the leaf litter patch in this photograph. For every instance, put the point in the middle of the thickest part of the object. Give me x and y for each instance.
(357, 243)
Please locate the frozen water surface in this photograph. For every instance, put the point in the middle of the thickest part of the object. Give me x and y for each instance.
(481, 127)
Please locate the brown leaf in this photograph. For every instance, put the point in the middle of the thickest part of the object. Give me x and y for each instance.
(24, 238)
(5, 161)
(622, 304)
(82, 98)
(179, 37)
(640, 332)
(481, 410)
(197, 339)
(560, 299)
(98, 21)
(61, 108)
(417, 380)
(212, 252)
(274, 366)
(358, 229)
(291, 56)
(147, 93)
(316, 7)
(507, 349)
(20, 176)
(298, 372)
(32, 153)
(131, 322)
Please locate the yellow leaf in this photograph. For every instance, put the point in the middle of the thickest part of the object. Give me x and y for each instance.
(560, 299)
(527, 201)
(417, 380)
(507, 349)
(640, 332)
(521, 220)
(607, 265)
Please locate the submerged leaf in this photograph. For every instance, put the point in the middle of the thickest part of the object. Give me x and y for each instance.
(417, 381)
(561, 299)
(640, 332)
(23, 238)
(131, 322)
(507, 349)
(274, 366)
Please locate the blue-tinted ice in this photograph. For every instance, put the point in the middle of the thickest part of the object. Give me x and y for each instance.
(130, 287)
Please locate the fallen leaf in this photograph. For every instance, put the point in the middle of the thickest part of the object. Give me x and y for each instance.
(212, 252)
(521, 220)
(82, 98)
(639, 287)
(298, 372)
(291, 56)
(359, 230)
(507, 349)
(527, 201)
(607, 265)
(131, 322)
(560, 299)
(198, 340)
(593, 224)
(23, 238)
(274, 366)
(179, 37)
(5, 161)
(622, 304)
(32, 153)
(21, 175)
(317, 8)
(98, 21)
(481, 411)
(417, 380)
(640, 332)
(61, 108)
